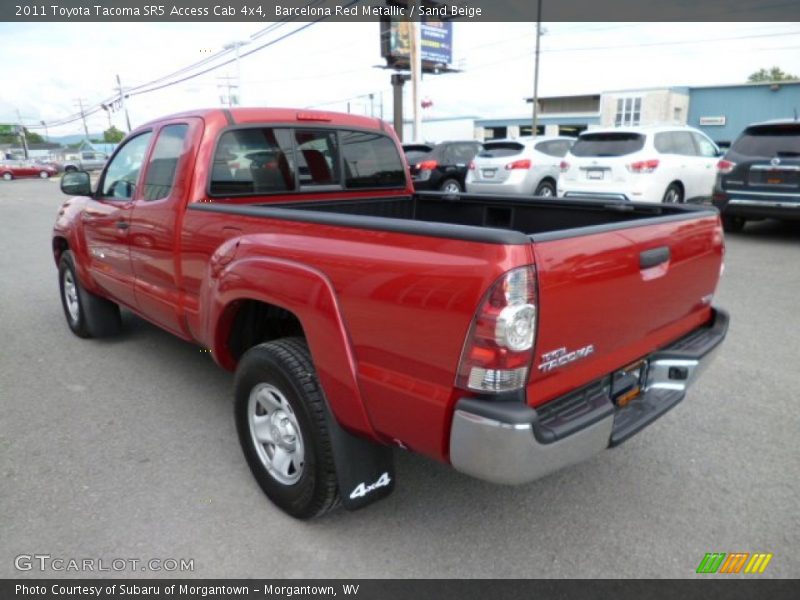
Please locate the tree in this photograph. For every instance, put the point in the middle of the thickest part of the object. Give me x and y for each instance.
(13, 138)
(773, 74)
(112, 135)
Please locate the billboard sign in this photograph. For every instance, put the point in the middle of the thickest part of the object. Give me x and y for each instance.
(436, 38)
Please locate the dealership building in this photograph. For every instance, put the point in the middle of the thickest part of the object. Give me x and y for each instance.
(721, 111)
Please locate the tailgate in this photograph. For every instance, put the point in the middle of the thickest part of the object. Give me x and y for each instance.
(609, 298)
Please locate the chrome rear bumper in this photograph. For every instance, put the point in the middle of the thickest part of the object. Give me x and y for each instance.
(508, 442)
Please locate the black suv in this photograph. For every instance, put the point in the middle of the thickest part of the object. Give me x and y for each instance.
(444, 167)
(759, 177)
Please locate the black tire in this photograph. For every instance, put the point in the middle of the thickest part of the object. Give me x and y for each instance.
(731, 224)
(70, 168)
(8, 176)
(546, 189)
(285, 365)
(95, 316)
(452, 186)
(673, 194)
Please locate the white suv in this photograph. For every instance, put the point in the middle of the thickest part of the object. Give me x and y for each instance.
(524, 166)
(644, 164)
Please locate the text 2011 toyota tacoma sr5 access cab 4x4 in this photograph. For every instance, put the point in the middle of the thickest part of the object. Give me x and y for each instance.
(508, 337)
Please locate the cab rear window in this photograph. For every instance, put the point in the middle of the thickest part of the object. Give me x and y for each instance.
(608, 144)
(769, 141)
(268, 160)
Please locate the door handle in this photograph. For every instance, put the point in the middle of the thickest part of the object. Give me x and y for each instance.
(121, 224)
(654, 257)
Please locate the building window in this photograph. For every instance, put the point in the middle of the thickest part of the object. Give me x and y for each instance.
(629, 111)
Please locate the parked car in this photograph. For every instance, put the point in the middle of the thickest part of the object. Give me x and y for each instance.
(86, 161)
(759, 177)
(671, 164)
(416, 152)
(15, 169)
(360, 316)
(444, 168)
(523, 166)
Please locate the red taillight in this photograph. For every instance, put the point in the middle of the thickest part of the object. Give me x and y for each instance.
(725, 166)
(523, 163)
(472, 165)
(498, 351)
(643, 166)
(564, 166)
(427, 165)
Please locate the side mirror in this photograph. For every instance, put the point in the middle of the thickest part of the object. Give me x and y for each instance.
(76, 183)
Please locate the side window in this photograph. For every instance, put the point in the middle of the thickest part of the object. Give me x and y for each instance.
(160, 173)
(555, 148)
(683, 143)
(119, 181)
(256, 160)
(371, 160)
(317, 157)
(705, 146)
(466, 152)
(663, 143)
(87, 155)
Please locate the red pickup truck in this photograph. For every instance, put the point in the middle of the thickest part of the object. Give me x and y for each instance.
(506, 336)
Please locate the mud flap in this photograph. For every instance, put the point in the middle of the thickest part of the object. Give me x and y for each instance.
(364, 469)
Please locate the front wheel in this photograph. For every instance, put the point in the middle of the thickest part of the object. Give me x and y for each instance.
(281, 421)
(8, 176)
(44, 174)
(546, 189)
(87, 315)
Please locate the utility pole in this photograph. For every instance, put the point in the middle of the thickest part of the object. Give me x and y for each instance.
(236, 45)
(536, 69)
(46, 136)
(416, 72)
(22, 135)
(83, 117)
(227, 96)
(122, 104)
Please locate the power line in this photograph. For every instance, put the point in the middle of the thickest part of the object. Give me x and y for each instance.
(626, 46)
(244, 54)
(140, 89)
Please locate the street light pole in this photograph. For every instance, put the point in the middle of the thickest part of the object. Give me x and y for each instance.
(536, 69)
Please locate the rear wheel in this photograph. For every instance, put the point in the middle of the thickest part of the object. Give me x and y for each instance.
(8, 176)
(44, 174)
(281, 420)
(546, 189)
(87, 315)
(732, 224)
(451, 186)
(70, 168)
(673, 195)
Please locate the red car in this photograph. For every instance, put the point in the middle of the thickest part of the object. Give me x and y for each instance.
(15, 169)
(506, 336)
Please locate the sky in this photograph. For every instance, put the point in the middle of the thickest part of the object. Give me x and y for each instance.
(48, 66)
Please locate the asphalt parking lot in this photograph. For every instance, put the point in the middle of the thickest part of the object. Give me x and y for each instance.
(126, 448)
